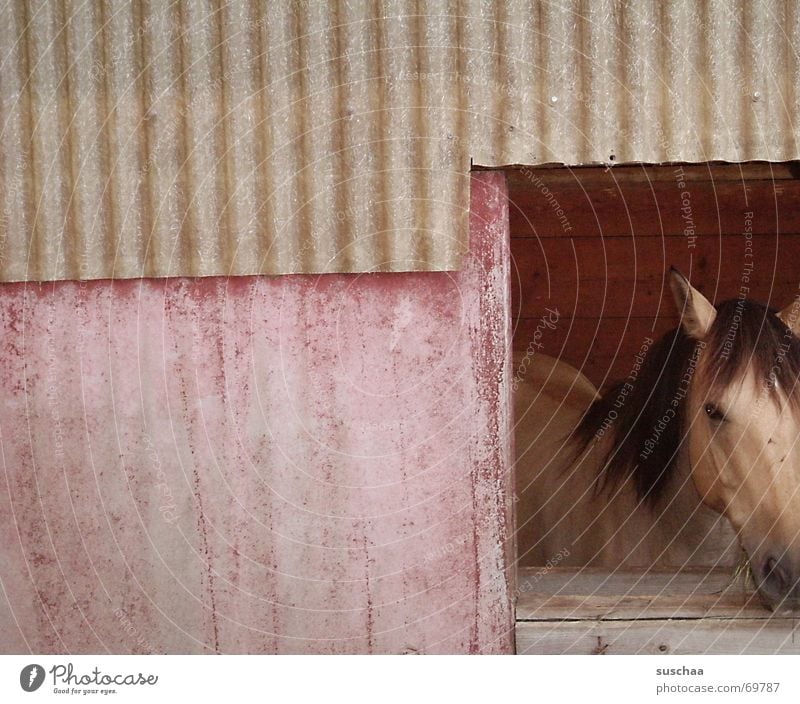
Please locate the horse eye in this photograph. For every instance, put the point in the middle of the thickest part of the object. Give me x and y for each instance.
(713, 412)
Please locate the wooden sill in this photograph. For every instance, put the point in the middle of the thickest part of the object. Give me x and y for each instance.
(692, 611)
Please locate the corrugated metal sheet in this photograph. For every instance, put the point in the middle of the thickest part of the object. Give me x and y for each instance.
(200, 138)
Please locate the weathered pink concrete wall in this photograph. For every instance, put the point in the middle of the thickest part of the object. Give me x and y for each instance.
(296, 464)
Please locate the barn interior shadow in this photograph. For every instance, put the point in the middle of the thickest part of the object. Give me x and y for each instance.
(592, 251)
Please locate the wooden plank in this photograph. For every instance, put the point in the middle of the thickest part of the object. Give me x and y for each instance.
(589, 176)
(607, 608)
(620, 277)
(618, 283)
(667, 637)
(599, 581)
(602, 349)
(596, 611)
(655, 209)
(570, 595)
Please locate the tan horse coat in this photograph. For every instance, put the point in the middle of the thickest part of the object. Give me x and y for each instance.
(559, 512)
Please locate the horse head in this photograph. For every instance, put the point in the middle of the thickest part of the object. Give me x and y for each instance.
(742, 428)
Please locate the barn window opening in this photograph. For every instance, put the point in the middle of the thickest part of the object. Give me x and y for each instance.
(630, 285)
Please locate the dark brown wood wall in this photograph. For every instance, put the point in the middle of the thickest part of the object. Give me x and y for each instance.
(596, 244)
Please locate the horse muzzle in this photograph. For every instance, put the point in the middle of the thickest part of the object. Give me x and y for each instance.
(779, 583)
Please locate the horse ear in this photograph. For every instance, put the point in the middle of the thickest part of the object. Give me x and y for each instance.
(790, 316)
(697, 312)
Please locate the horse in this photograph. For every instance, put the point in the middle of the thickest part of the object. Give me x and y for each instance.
(692, 460)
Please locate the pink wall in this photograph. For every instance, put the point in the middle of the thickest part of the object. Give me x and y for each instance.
(292, 464)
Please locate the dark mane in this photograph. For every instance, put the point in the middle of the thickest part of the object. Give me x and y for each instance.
(644, 414)
(747, 334)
